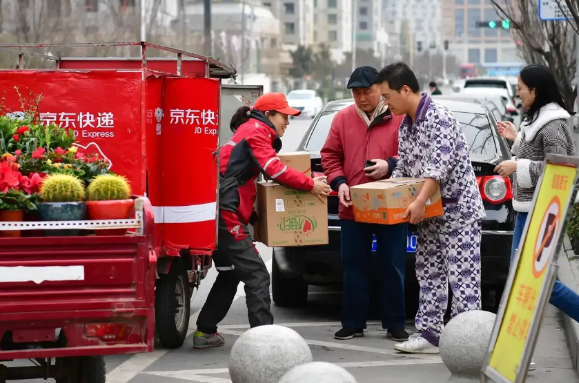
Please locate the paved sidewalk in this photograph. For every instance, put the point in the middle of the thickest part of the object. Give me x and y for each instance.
(370, 359)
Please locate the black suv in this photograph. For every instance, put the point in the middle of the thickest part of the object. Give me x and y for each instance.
(295, 268)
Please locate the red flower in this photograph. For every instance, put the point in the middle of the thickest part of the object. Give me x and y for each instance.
(18, 152)
(16, 137)
(60, 151)
(79, 155)
(22, 130)
(9, 178)
(31, 185)
(38, 153)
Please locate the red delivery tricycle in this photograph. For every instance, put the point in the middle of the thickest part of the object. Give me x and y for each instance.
(67, 301)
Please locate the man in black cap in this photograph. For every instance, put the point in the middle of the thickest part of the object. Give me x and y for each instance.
(434, 89)
(362, 147)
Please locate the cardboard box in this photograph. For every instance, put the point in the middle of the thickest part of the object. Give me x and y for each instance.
(386, 201)
(289, 217)
(299, 161)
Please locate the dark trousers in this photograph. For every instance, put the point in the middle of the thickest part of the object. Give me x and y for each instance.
(236, 260)
(356, 251)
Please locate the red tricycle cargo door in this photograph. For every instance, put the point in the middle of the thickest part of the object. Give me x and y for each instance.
(182, 140)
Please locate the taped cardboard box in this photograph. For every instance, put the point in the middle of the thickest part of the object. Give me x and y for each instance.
(289, 217)
(299, 161)
(386, 201)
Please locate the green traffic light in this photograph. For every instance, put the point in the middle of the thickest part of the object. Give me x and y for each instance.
(506, 24)
(492, 24)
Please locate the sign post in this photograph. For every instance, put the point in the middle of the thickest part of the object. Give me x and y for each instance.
(532, 275)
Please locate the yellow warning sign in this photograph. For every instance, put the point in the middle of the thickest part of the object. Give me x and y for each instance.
(537, 252)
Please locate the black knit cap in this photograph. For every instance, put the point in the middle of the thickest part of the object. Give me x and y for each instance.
(362, 77)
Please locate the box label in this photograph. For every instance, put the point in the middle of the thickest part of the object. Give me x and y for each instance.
(299, 223)
(279, 206)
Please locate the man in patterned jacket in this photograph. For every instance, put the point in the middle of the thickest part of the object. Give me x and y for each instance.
(433, 146)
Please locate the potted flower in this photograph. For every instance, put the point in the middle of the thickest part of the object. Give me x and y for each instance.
(109, 197)
(16, 193)
(62, 200)
(13, 205)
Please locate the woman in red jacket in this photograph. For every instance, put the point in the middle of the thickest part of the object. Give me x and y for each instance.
(252, 150)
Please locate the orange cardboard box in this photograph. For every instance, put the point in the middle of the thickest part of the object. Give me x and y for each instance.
(386, 201)
(299, 161)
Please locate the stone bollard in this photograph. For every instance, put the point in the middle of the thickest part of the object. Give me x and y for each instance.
(464, 344)
(266, 353)
(318, 372)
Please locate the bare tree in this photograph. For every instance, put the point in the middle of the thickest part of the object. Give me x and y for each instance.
(543, 42)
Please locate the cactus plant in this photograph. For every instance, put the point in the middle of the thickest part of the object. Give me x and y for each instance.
(62, 188)
(109, 187)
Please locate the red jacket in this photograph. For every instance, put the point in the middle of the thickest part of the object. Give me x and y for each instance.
(351, 142)
(249, 152)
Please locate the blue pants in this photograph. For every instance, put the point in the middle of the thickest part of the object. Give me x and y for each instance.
(356, 251)
(562, 296)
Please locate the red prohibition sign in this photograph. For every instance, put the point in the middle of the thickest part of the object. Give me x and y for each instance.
(544, 242)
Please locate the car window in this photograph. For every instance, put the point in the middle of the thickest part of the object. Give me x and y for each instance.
(476, 127)
(486, 84)
(320, 131)
(299, 96)
(478, 132)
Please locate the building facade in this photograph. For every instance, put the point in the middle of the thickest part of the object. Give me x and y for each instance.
(470, 43)
(369, 23)
(418, 22)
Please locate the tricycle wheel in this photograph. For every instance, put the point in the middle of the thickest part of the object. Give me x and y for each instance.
(173, 306)
(83, 369)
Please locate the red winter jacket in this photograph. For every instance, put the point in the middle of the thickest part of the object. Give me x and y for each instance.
(249, 152)
(351, 142)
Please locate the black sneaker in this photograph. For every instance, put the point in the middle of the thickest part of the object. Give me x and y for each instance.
(397, 334)
(349, 333)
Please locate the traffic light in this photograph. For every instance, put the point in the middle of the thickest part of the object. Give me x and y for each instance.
(505, 24)
(419, 46)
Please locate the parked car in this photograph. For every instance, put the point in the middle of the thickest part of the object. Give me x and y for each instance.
(496, 104)
(305, 101)
(493, 83)
(295, 268)
(512, 109)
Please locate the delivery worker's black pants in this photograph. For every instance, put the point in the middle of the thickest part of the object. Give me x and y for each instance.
(236, 260)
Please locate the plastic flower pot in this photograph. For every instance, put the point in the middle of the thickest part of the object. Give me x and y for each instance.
(11, 216)
(117, 209)
(61, 211)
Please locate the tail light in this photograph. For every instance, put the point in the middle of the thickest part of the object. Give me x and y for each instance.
(319, 174)
(495, 189)
(511, 109)
(108, 332)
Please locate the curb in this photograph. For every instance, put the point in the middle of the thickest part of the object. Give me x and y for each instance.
(568, 275)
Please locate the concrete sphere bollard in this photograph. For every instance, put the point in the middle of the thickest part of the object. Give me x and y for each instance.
(464, 343)
(266, 353)
(318, 372)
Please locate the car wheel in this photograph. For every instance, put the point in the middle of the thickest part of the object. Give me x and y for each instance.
(287, 292)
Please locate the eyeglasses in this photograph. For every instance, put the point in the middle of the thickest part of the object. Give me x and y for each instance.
(387, 97)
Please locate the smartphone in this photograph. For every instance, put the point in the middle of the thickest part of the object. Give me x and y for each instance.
(368, 164)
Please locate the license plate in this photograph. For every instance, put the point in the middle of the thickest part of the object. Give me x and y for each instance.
(411, 241)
